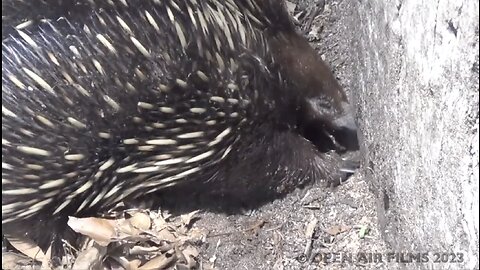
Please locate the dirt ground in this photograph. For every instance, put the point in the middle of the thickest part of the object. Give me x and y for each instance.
(276, 235)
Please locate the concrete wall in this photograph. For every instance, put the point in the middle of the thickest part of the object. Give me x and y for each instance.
(416, 81)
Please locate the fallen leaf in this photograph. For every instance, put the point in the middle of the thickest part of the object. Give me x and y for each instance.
(159, 262)
(134, 264)
(190, 253)
(337, 229)
(27, 247)
(100, 230)
(166, 235)
(140, 221)
(90, 258)
(187, 218)
(11, 260)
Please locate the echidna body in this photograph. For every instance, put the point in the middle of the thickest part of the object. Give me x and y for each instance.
(104, 101)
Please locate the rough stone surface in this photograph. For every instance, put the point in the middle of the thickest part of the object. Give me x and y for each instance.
(416, 85)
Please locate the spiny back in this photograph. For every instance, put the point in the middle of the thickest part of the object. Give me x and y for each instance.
(117, 99)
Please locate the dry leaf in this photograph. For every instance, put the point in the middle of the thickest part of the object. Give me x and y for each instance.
(100, 230)
(190, 253)
(157, 220)
(134, 264)
(139, 250)
(125, 229)
(90, 258)
(140, 221)
(166, 235)
(187, 218)
(27, 247)
(159, 262)
(256, 227)
(12, 260)
(337, 229)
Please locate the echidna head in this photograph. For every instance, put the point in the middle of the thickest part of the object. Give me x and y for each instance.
(324, 115)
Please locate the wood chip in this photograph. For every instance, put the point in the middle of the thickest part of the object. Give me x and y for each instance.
(310, 230)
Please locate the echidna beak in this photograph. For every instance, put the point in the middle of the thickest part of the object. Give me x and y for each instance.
(346, 121)
(346, 130)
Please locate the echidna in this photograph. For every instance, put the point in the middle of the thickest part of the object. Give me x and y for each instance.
(104, 101)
